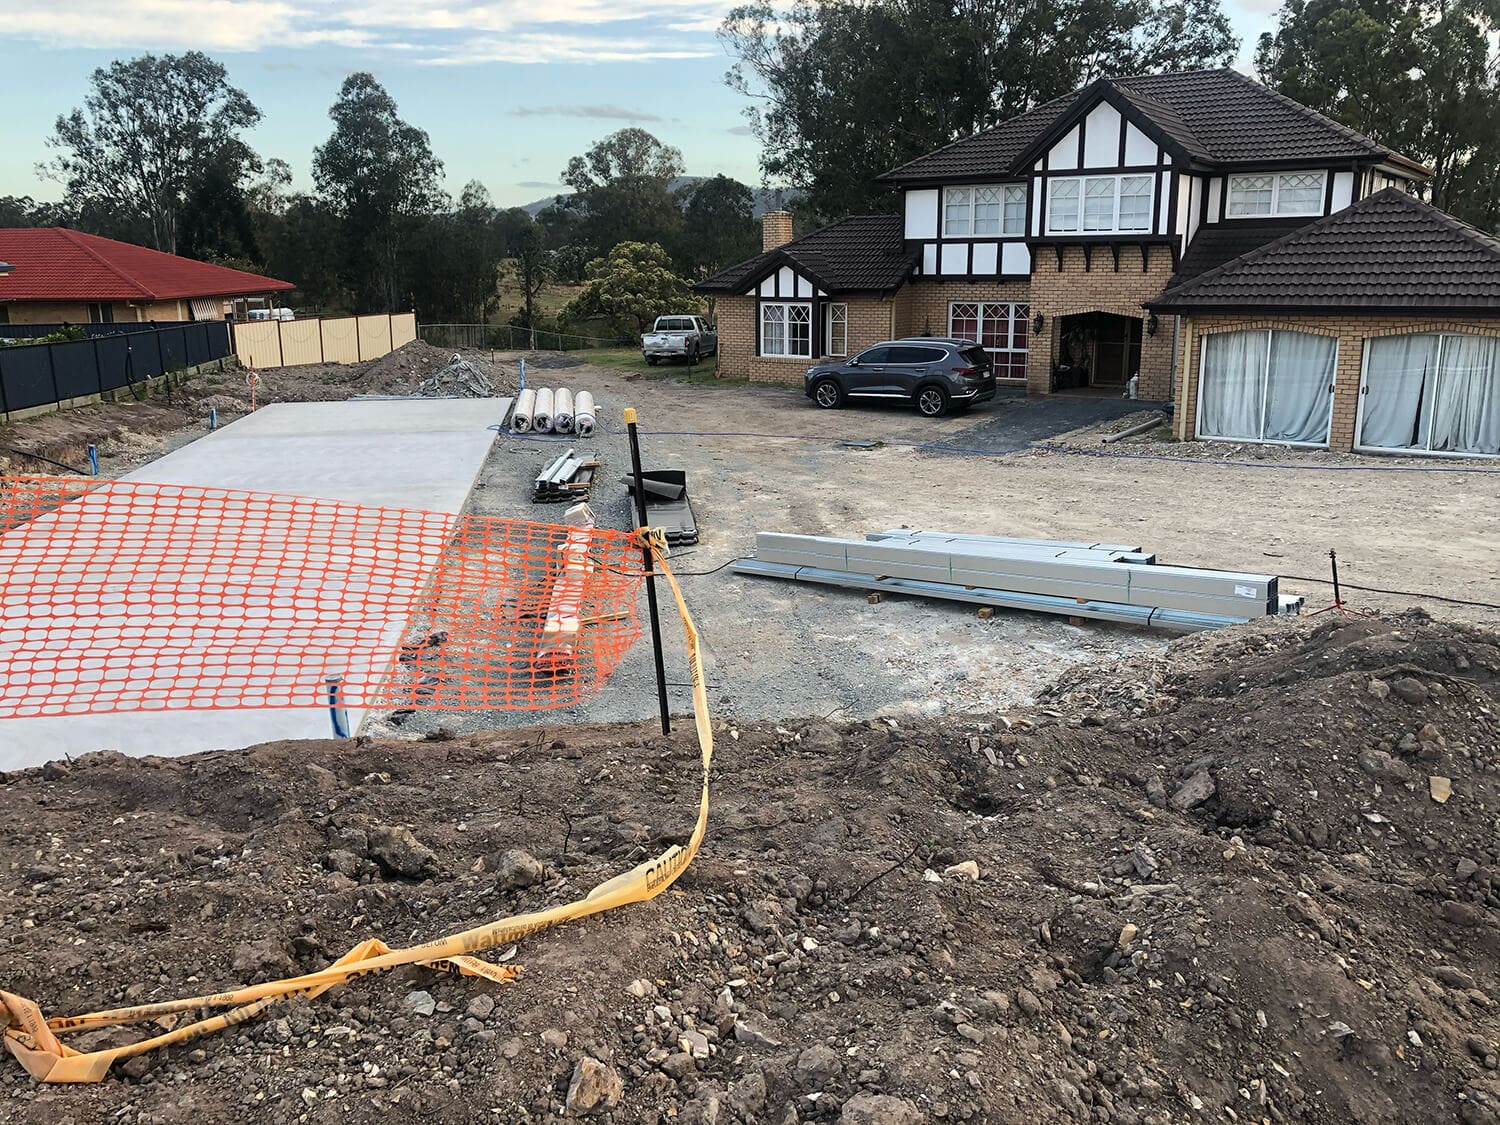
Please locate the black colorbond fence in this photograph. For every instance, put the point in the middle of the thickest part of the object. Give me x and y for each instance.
(34, 375)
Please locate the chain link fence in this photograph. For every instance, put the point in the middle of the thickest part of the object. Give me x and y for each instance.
(509, 338)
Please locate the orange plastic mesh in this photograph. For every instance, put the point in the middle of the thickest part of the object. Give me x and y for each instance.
(149, 597)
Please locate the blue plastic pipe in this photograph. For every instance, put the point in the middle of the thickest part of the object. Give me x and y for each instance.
(94, 459)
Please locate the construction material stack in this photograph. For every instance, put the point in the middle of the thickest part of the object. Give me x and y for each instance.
(1104, 581)
(568, 477)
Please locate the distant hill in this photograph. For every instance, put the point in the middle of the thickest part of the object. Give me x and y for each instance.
(766, 199)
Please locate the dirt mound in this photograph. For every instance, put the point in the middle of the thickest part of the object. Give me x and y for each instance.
(1211, 887)
(407, 369)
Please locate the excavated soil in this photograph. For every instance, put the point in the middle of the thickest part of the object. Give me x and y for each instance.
(1213, 886)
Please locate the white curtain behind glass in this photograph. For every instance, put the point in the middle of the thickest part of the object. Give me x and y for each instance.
(1298, 401)
(1466, 415)
(1233, 385)
(1400, 376)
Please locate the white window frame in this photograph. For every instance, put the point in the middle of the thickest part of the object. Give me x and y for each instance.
(838, 316)
(786, 308)
(1010, 348)
(1359, 412)
(964, 199)
(1265, 393)
(1230, 211)
(1083, 182)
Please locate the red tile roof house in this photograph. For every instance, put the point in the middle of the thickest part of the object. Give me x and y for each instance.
(1260, 265)
(63, 275)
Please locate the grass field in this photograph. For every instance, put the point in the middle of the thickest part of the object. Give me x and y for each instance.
(631, 360)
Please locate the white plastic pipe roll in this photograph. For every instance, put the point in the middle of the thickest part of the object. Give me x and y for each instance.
(520, 419)
(583, 414)
(562, 411)
(541, 413)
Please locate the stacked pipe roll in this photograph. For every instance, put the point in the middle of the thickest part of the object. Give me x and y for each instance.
(541, 414)
(562, 411)
(583, 414)
(520, 419)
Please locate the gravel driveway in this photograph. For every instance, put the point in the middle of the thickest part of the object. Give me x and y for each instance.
(762, 458)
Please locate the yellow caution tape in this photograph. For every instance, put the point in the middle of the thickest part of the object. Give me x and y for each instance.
(33, 1039)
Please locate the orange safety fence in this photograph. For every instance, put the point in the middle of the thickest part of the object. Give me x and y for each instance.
(123, 596)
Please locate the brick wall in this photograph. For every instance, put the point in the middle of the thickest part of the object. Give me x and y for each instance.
(1351, 332)
(1080, 287)
(922, 306)
(77, 312)
(870, 320)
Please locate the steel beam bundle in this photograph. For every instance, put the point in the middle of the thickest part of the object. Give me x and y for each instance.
(1113, 582)
(568, 477)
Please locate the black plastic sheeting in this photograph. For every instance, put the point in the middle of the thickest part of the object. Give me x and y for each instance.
(41, 374)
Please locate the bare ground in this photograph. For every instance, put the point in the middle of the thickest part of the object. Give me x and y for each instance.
(1214, 888)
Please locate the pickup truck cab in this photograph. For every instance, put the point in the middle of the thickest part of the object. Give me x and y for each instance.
(679, 337)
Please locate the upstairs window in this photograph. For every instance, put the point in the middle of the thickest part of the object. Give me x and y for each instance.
(984, 211)
(1099, 204)
(1285, 193)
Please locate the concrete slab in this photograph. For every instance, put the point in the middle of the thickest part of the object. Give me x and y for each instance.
(420, 453)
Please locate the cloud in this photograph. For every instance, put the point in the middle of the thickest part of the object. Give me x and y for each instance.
(592, 112)
(542, 185)
(431, 32)
(740, 131)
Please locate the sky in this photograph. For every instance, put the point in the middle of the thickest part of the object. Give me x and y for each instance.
(508, 90)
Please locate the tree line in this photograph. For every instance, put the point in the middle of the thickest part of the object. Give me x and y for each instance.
(157, 155)
(840, 91)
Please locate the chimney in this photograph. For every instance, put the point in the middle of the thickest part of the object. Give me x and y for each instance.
(775, 229)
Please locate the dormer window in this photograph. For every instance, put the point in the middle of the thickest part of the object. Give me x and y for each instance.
(984, 211)
(1099, 204)
(1285, 193)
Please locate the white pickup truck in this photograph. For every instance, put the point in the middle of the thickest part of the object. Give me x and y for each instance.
(679, 337)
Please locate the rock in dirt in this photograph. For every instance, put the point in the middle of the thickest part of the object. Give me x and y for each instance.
(879, 1109)
(1194, 791)
(401, 854)
(421, 1003)
(968, 869)
(266, 959)
(1383, 767)
(1453, 977)
(1409, 690)
(816, 1067)
(595, 1087)
(517, 868)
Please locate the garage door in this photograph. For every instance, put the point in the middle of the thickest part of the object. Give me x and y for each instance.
(1267, 386)
(1431, 393)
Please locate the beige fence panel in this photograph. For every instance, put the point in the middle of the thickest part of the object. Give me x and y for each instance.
(343, 339)
(403, 329)
(340, 340)
(301, 342)
(374, 336)
(258, 343)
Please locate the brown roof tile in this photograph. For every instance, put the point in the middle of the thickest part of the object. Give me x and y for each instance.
(1386, 252)
(1217, 117)
(860, 254)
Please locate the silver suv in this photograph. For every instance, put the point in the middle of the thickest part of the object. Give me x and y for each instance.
(935, 373)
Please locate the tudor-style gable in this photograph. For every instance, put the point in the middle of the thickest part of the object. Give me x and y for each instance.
(1146, 163)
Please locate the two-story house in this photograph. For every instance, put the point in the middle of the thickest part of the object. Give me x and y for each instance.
(1088, 241)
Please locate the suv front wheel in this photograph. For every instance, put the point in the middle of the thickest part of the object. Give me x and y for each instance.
(828, 394)
(932, 401)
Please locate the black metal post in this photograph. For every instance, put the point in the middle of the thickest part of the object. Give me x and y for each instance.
(646, 559)
(1333, 561)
